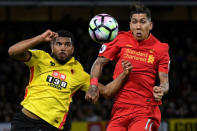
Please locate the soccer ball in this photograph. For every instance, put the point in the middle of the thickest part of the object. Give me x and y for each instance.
(103, 28)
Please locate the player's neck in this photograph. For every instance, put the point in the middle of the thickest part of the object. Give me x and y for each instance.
(144, 39)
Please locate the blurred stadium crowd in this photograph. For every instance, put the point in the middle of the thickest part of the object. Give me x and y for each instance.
(180, 102)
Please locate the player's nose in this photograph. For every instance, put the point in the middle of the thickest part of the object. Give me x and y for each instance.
(138, 26)
(63, 47)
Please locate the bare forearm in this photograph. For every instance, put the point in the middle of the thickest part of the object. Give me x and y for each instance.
(21, 47)
(165, 87)
(93, 92)
(98, 66)
(96, 70)
(113, 87)
(164, 84)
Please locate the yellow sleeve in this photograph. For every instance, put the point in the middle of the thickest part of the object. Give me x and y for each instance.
(35, 55)
(86, 84)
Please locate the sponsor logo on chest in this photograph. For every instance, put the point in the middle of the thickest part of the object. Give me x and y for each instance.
(146, 57)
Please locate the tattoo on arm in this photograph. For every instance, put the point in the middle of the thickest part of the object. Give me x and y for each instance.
(164, 84)
(103, 60)
(98, 66)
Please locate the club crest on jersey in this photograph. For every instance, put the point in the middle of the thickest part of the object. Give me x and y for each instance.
(103, 48)
(151, 59)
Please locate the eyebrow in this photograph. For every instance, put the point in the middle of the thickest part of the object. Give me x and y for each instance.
(140, 18)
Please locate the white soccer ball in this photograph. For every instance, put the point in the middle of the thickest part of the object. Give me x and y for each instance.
(103, 28)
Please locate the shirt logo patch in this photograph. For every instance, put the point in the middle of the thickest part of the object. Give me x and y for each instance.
(103, 48)
(129, 45)
(55, 73)
(62, 77)
(57, 80)
(56, 121)
(151, 51)
(151, 59)
(52, 63)
(139, 56)
(59, 75)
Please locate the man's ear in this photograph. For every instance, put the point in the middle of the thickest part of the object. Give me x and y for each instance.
(73, 48)
(151, 25)
(51, 45)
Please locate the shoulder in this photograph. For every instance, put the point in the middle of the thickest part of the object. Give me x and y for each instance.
(158, 45)
(77, 66)
(37, 52)
(163, 46)
(121, 37)
(36, 55)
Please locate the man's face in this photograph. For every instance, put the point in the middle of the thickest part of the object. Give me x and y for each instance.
(62, 49)
(140, 26)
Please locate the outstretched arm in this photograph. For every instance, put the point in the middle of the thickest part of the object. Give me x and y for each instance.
(159, 91)
(92, 94)
(113, 87)
(20, 52)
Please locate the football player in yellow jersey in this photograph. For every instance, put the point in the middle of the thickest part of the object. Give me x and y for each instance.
(53, 80)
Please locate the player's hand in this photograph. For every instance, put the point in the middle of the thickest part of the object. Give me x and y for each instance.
(92, 94)
(127, 67)
(158, 93)
(48, 36)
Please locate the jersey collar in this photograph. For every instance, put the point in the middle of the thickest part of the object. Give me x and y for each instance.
(72, 60)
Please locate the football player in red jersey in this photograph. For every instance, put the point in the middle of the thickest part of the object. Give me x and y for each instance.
(136, 105)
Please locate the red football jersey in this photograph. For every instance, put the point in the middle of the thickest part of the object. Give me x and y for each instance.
(147, 58)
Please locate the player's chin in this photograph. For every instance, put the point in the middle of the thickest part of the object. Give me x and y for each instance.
(139, 38)
(63, 59)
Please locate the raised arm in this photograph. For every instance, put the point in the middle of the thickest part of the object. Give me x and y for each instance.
(20, 52)
(113, 87)
(159, 91)
(92, 94)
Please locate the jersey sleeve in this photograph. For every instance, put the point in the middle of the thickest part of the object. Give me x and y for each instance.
(110, 50)
(85, 86)
(35, 55)
(164, 62)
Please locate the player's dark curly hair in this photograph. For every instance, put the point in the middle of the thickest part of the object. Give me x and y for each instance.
(65, 33)
(140, 9)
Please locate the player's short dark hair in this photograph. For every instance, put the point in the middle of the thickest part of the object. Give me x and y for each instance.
(140, 9)
(65, 33)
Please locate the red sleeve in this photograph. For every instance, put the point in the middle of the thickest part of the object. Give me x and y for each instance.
(164, 62)
(110, 50)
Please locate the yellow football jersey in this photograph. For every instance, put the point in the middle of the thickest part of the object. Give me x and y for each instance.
(51, 86)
